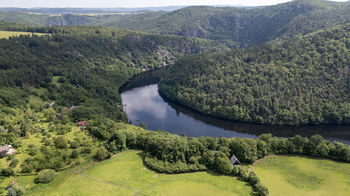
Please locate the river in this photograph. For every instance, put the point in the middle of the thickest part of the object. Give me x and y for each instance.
(142, 102)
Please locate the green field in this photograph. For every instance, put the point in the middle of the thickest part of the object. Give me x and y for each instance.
(125, 174)
(7, 34)
(295, 175)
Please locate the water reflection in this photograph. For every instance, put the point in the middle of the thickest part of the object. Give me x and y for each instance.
(145, 104)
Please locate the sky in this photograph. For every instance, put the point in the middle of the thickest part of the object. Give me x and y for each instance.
(132, 3)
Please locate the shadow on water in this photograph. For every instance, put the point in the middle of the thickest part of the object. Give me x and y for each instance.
(328, 131)
(146, 104)
(143, 79)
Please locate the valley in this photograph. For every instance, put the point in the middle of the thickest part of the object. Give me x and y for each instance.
(175, 100)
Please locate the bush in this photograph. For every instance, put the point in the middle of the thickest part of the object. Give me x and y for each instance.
(253, 179)
(120, 141)
(261, 190)
(45, 176)
(14, 163)
(171, 168)
(74, 154)
(85, 151)
(102, 154)
(222, 164)
(74, 145)
(143, 125)
(27, 167)
(7, 172)
(61, 142)
(32, 150)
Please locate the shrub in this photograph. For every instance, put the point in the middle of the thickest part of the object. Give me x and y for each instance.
(261, 190)
(27, 167)
(14, 163)
(7, 172)
(253, 179)
(85, 151)
(45, 176)
(120, 141)
(32, 150)
(74, 154)
(171, 168)
(102, 154)
(74, 145)
(222, 164)
(61, 142)
(143, 125)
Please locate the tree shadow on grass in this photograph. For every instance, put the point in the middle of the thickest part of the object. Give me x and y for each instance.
(209, 172)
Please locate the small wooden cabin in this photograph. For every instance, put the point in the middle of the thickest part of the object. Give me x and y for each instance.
(234, 160)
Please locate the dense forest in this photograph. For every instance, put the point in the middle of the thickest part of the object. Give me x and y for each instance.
(85, 66)
(235, 27)
(51, 81)
(301, 81)
(242, 27)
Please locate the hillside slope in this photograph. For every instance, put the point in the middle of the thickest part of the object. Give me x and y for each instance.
(239, 27)
(305, 80)
(235, 27)
(89, 65)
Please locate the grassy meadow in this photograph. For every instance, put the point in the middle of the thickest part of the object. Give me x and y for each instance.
(125, 174)
(296, 175)
(7, 34)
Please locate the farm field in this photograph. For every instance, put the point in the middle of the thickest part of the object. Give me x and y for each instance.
(296, 175)
(7, 34)
(125, 174)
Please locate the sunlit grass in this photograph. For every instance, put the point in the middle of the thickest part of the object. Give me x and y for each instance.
(125, 174)
(7, 34)
(294, 175)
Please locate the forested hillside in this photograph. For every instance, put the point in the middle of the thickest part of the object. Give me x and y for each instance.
(235, 27)
(305, 80)
(240, 27)
(83, 67)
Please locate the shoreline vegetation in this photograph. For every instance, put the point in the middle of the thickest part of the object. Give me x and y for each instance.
(61, 108)
(278, 83)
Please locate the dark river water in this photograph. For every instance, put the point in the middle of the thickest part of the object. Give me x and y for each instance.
(143, 103)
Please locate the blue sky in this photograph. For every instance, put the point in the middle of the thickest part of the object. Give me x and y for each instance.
(131, 3)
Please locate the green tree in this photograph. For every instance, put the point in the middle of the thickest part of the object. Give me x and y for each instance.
(45, 176)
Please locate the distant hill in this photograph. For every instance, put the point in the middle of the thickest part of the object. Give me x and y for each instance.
(240, 27)
(90, 10)
(236, 27)
(300, 81)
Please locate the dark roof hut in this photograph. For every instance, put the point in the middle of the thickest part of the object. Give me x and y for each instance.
(234, 160)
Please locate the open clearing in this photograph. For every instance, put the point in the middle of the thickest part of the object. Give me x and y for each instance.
(296, 175)
(7, 34)
(125, 174)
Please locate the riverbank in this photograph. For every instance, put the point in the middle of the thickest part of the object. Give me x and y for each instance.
(144, 103)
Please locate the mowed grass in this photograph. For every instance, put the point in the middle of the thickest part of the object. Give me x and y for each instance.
(125, 174)
(7, 34)
(296, 175)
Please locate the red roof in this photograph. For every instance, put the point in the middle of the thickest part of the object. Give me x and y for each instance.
(82, 123)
